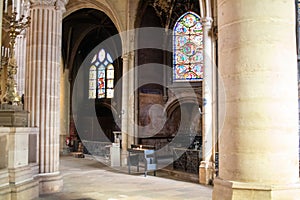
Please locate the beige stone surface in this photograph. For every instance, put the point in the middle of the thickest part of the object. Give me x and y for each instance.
(257, 61)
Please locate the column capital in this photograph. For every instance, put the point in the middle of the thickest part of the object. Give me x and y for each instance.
(128, 55)
(206, 21)
(42, 2)
(125, 56)
(60, 5)
(57, 3)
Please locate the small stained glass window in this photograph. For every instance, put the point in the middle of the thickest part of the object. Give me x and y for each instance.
(101, 76)
(188, 48)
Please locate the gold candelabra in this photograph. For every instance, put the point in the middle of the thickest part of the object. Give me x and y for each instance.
(14, 27)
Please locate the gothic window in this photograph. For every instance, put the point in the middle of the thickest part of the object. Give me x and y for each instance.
(188, 48)
(101, 76)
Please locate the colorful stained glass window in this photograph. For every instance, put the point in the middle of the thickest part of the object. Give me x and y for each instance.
(188, 48)
(101, 76)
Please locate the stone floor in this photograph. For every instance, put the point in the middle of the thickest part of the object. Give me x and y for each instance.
(87, 179)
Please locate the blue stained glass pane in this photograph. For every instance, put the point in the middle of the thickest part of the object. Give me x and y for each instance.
(198, 70)
(179, 71)
(101, 68)
(181, 57)
(198, 57)
(180, 29)
(189, 48)
(180, 41)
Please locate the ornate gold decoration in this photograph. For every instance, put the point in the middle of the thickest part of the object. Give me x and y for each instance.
(15, 27)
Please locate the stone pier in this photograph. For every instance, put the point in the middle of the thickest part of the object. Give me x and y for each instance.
(258, 145)
(42, 92)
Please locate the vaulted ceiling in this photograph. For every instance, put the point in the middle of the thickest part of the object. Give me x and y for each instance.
(82, 31)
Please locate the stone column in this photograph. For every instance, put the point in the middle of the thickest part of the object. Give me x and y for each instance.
(205, 171)
(42, 86)
(127, 113)
(131, 103)
(21, 62)
(258, 145)
(65, 110)
(124, 112)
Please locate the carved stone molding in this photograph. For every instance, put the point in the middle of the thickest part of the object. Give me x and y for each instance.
(60, 4)
(43, 2)
(207, 21)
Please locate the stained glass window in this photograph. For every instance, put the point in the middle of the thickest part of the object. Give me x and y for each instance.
(101, 76)
(188, 48)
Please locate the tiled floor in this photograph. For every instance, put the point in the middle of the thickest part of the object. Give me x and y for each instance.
(87, 179)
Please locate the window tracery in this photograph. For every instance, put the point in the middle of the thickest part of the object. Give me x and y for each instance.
(101, 76)
(188, 48)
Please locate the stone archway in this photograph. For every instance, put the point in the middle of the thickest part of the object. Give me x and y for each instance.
(84, 31)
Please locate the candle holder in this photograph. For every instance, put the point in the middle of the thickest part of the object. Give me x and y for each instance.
(14, 27)
(12, 113)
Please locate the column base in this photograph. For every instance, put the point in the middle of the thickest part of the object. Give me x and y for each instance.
(230, 190)
(20, 174)
(25, 190)
(124, 161)
(4, 184)
(205, 173)
(5, 192)
(50, 183)
(18, 184)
